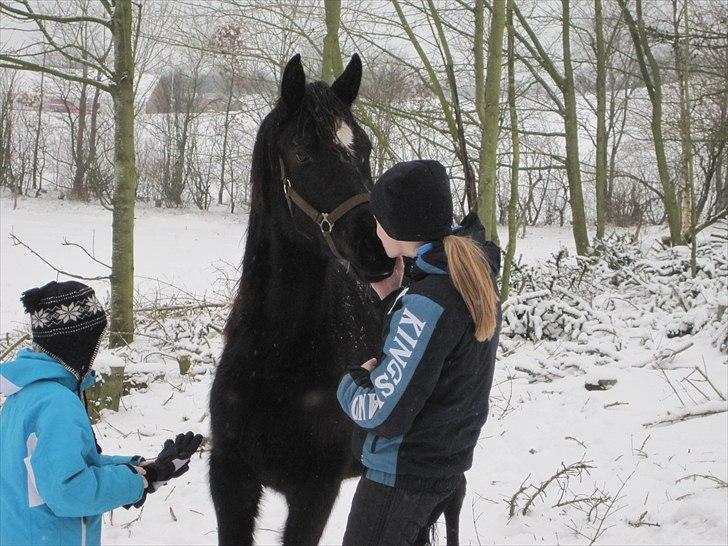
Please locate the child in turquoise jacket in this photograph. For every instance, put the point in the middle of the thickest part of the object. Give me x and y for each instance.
(54, 481)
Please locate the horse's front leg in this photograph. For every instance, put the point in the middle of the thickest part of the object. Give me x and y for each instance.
(309, 507)
(236, 495)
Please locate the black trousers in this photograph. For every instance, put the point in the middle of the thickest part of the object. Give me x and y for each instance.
(395, 516)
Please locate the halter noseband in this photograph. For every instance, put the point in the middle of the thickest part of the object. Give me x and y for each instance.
(324, 220)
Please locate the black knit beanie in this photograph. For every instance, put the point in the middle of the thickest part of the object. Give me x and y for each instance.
(67, 322)
(412, 201)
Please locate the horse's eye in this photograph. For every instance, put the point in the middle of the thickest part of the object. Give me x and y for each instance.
(302, 157)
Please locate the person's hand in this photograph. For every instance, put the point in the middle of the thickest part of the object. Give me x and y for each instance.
(139, 470)
(385, 287)
(360, 374)
(370, 364)
(172, 461)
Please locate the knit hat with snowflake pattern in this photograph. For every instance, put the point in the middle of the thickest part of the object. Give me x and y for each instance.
(67, 322)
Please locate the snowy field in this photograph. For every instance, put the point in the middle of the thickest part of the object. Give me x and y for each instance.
(624, 479)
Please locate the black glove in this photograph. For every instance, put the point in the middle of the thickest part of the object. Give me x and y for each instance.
(172, 462)
(361, 376)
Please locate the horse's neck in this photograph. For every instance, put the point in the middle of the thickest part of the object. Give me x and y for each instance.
(289, 279)
(292, 299)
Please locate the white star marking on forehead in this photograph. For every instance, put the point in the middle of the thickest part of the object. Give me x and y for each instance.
(345, 136)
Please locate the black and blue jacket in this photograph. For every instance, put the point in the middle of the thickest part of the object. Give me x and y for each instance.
(420, 411)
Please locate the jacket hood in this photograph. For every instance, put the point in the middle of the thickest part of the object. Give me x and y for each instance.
(32, 366)
(432, 260)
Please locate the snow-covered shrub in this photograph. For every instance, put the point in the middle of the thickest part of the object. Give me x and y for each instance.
(571, 308)
(552, 315)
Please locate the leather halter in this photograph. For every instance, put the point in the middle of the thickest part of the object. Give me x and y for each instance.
(324, 220)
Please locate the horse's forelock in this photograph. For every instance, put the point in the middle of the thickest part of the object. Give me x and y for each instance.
(323, 111)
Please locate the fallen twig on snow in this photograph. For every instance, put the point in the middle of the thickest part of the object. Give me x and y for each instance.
(705, 377)
(613, 404)
(132, 522)
(720, 483)
(665, 355)
(577, 441)
(689, 413)
(600, 529)
(639, 522)
(566, 472)
(513, 503)
(192, 307)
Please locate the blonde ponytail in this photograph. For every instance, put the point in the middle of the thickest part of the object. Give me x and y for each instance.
(471, 275)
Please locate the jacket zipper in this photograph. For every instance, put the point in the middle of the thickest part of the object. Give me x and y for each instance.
(83, 531)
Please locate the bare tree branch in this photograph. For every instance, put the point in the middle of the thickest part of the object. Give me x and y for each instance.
(7, 61)
(21, 15)
(16, 241)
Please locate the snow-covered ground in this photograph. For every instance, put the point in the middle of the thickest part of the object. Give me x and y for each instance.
(173, 247)
(638, 484)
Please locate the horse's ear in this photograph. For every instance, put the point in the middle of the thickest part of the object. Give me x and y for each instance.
(346, 86)
(293, 84)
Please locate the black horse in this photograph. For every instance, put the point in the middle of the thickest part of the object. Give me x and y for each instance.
(301, 316)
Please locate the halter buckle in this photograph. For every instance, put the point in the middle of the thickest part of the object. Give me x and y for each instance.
(286, 186)
(326, 222)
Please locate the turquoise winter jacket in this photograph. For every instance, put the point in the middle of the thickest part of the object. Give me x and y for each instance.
(54, 485)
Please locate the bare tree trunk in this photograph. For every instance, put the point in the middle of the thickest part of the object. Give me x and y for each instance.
(651, 74)
(617, 136)
(38, 126)
(515, 161)
(226, 131)
(121, 328)
(567, 109)
(601, 144)
(78, 191)
(488, 106)
(573, 167)
(331, 65)
(681, 47)
(721, 169)
(231, 188)
(91, 160)
(180, 161)
(687, 143)
(6, 135)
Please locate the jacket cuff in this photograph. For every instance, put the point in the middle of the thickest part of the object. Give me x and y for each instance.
(143, 494)
(361, 377)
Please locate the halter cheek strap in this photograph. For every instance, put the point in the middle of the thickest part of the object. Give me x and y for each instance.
(324, 220)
